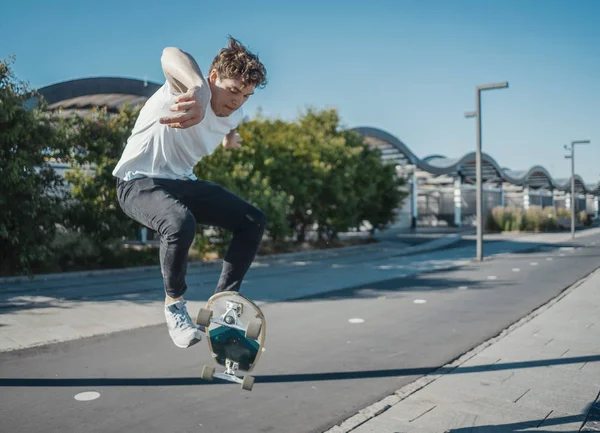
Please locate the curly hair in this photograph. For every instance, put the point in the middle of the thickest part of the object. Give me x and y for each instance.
(237, 62)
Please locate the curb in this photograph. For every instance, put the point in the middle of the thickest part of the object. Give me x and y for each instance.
(437, 243)
(386, 403)
(592, 420)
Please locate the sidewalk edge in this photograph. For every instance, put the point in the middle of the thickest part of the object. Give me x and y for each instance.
(592, 419)
(435, 244)
(386, 403)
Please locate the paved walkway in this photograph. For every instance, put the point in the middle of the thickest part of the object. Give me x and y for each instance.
(540, 375)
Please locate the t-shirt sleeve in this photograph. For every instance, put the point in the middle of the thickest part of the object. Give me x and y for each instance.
(171, 89)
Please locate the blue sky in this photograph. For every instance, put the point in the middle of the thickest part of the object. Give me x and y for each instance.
(408, 67)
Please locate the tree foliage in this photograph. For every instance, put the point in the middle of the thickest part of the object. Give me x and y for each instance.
(95, 142)
(30, 200)
(309, 174)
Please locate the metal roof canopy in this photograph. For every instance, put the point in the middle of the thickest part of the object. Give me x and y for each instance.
(86, 93)
(537, 177)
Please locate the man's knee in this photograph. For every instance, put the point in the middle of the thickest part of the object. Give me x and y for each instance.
(261, 218)
(255, 219)
(181, 229)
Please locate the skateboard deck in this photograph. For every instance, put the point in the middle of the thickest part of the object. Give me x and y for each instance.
(235, 330)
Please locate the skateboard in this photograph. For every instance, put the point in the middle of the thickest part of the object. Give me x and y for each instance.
(236, 330)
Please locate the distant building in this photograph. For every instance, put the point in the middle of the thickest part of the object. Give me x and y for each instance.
(442, 190)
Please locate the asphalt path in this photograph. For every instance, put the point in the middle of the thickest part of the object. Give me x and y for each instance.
(318, 368)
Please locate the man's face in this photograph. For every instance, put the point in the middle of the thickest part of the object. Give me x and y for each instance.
(227, 94)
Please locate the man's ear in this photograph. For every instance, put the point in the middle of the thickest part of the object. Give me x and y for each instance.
(212, 77)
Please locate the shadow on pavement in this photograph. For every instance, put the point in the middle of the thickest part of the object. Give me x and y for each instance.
(522, 426)
(401, 285)
(289, 378)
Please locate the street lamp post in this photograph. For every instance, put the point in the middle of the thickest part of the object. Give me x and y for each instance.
(572, 158)
(479, 187)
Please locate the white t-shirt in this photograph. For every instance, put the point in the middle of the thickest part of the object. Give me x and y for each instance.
(156, 150)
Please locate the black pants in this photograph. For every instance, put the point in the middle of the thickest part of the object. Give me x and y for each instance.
(174, 207)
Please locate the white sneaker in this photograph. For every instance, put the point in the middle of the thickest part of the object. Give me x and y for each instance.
(182, 329)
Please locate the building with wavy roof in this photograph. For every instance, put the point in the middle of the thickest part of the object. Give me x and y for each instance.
(443, 189)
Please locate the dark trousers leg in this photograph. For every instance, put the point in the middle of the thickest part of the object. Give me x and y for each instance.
(213, 205)
(149, 203)
(173, 207)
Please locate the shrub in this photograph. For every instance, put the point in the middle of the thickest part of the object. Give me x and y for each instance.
(535, 219)
(516, 218)
(584, 218)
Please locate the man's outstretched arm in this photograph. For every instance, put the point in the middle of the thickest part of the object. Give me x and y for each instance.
(184, 76)
(181, 70)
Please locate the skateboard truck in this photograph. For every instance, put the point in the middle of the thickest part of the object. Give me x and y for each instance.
(208, 373)
(230, 367)
(232, 313)
(233, 310)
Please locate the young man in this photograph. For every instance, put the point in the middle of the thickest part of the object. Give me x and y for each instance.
(156, 185)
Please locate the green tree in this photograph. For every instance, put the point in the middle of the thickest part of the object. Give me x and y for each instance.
(30, 197)
(308, 173)
(239, 171)
(94, 222)
(379, 187)
(96, 142)
(334, 180)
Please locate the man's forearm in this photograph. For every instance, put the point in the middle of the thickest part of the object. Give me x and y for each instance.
(181, 70)
(231, 134)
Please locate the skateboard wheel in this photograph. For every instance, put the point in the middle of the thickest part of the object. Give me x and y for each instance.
(207, 372)
(253, 329)
(248, 383)
(203, 317)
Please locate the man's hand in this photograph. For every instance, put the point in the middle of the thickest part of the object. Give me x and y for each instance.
(192, 107)
(232, 140)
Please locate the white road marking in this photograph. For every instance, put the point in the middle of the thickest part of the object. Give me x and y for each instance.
(549, 259)
(87, 396)
(462, 288)
(492, 277)
(356, 320)
(516, 270)
(419, 301)
(533, 264)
